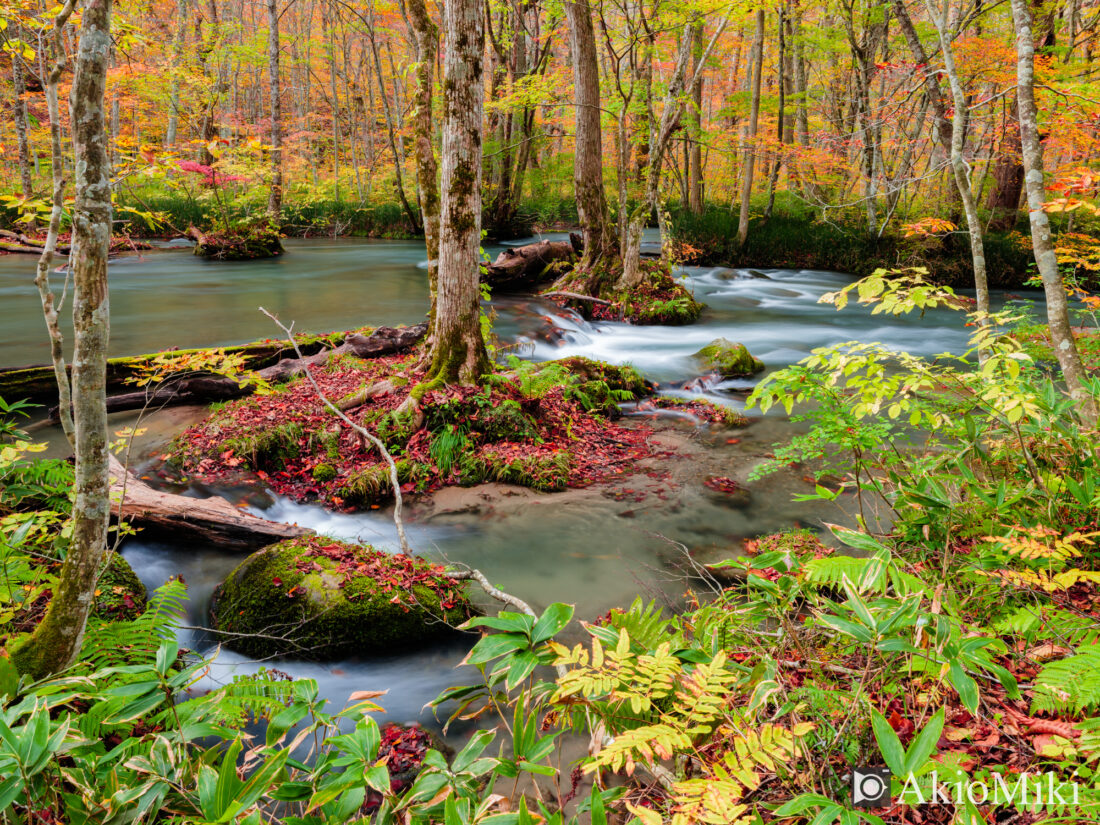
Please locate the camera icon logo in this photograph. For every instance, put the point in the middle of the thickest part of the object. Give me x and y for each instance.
(871, 787)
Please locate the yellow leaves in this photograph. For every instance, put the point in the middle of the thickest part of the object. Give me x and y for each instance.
(1043, 543)
(1042, 579)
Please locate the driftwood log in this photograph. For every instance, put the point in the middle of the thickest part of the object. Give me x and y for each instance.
(18, 242)
(207, 389)
(524, 268)
(213, 520)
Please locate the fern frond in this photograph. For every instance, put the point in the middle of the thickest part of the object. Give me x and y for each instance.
(1071, 684)
(115, 644)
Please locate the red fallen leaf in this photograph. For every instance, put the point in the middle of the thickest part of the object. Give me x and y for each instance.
(902, 727)
(733, 440)
(275, 580)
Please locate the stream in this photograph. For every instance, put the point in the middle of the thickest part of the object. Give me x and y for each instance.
(594, 548)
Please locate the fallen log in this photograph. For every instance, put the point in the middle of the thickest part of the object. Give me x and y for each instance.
(18, 242)
(207, 389)
(37, 383)
(213, 520)
(525, 267)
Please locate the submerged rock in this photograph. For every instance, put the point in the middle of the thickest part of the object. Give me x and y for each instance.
(728, 359)
(318, 598)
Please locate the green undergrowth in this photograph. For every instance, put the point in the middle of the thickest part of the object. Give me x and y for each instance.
(801, 240)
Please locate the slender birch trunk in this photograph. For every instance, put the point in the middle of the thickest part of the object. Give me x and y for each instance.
(275, 195)
(1061, 333)
(45, 260)
(959, 167)
(56, 641)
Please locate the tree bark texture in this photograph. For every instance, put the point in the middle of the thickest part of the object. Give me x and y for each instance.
(45, 260)
(275, 194)
(959, 167)
(1065, 347)
(458, 347)
(588, 151)
(427, 169)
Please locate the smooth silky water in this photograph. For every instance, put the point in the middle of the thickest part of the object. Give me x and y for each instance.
(590, 548)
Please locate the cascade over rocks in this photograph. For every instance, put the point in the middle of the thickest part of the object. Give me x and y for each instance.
(323, 599)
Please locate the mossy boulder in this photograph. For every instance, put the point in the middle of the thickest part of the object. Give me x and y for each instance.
(616, 376)
(728, 359)
(119, 593)
(318, 598)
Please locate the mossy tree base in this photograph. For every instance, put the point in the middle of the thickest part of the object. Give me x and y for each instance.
(659, 299)
(323, 599)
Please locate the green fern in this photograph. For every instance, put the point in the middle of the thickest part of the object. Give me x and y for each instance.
(1071, 684)
(115, 644)
(1032, 622)
(253, 697)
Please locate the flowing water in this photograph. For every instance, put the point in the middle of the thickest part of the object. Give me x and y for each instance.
(596, 549)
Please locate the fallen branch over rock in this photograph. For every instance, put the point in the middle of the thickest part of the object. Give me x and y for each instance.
(525, 267)
(208, 389)
(214, 520)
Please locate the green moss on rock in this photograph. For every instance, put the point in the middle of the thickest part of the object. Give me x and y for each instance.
(323, 473)
(120, 595)
(267, 449)
(546, 473)
(373, 484)
(728, 359)
(323, 599)
(616, 376)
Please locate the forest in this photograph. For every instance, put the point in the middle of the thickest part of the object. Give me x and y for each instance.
(549, 412)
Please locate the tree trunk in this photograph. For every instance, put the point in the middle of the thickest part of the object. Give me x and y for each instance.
(1008, 177)
(959, 167)
(588, 152)
(695, 129)
(20, 111)
(45, 260)
(183, 13)
(56, 641)
(1065, 347)
(275, 195)
(780, 122)
(749, 145)
(427, 48)
(458, 349)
